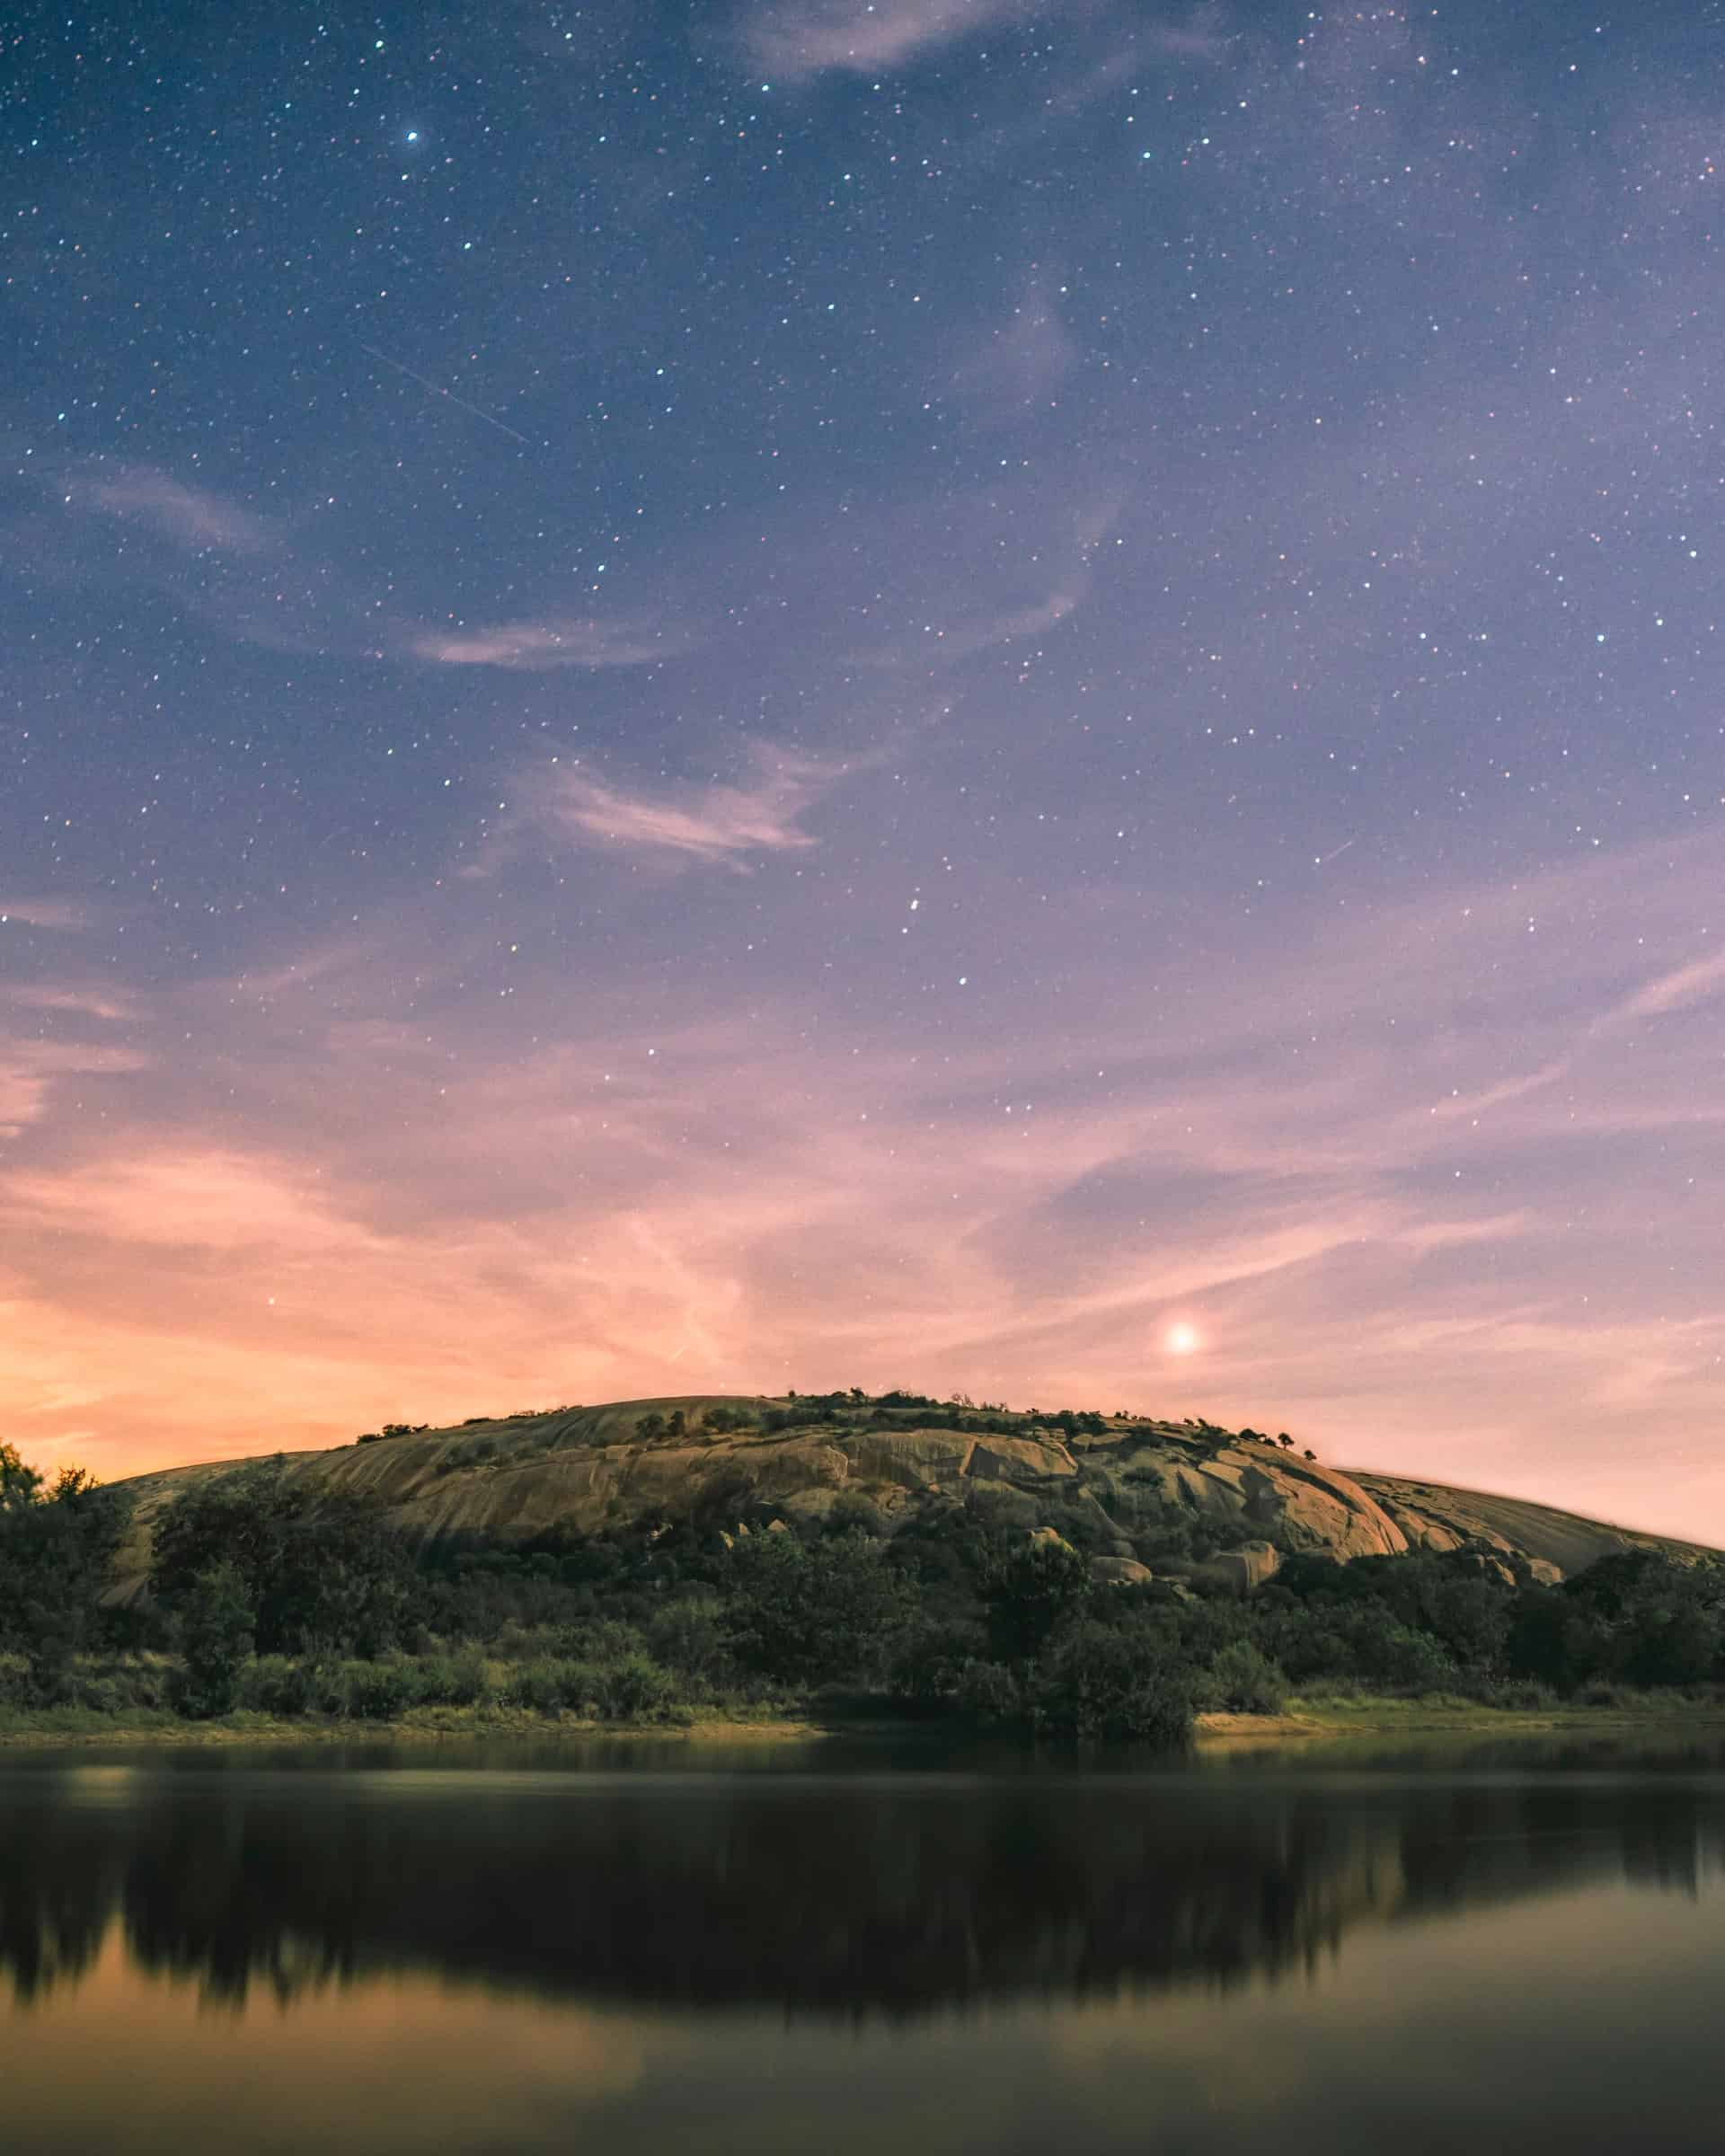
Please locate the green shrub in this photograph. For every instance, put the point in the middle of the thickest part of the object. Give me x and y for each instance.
(551, 1686)
(320, 1576)
(1243, 1680)
(634, 1689)
(688, 1635)
(215, 1643)
(932, 1661)
(1113, 1683)
(378, 1691)
(56, 1544)
(989, 1692)
(819, 1614)
(279, 1684)
(1526, 1694)
(852, 1513)
(1029, 1592)
(603, 1639)
(101, 1694)
(1403, 1659)
(637, 1690)
(459, 1679)
(118, 1688)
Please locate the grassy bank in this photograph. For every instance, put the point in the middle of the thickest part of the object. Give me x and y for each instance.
(52, 1726)
(458, 1692)
(132, 1710)
(1321, 1716)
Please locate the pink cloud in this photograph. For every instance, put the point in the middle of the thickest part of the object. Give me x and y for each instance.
(195, 517)
(712, 822)
(1679, 989)
(801, 38)
(81, 1002)
(539, 647)
(182, 1197)
(30, 1069)
(808, 37)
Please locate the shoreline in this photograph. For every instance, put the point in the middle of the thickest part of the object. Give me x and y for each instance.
(1304, 1724)
(1323, 1719)
(434, 1725)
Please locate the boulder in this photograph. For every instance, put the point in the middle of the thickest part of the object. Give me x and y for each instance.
(915, 1459)
(1120, 1572)
(1020, 1460)
(1239, 1572)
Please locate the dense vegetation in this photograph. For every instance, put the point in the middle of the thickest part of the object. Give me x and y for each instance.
(261, 1600)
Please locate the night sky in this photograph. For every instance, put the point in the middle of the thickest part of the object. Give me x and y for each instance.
(946, 693)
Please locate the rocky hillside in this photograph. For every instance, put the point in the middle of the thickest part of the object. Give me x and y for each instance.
(1145, 1497)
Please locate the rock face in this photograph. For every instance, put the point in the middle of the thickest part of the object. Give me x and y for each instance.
(1556, 1543)
(582, 1470)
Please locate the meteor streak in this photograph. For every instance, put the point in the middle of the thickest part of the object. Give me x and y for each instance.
(437, 390)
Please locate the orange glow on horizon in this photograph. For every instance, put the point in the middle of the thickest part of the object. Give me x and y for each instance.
(410, 1230)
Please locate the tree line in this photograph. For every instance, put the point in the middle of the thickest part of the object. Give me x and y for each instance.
(262, 1596)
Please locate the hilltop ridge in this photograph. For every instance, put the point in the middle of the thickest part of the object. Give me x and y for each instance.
(1140, 1495)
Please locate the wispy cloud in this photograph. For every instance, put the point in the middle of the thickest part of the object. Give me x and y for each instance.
(1013, 566)
(1677, 990)
(1019, 361)
(1200, 37)
(807, 37)
(712, 822)
(30, 1069)
(797, 39)
(82, 1002)
(42, 912)
(275, 586)
(194, 517)
(940, 641)
(185, 1197)
(538, 647)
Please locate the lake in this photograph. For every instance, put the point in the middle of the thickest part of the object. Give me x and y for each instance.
(627, 1946)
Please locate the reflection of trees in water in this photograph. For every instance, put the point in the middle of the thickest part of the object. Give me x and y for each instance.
(849, 1896)
(59, 1890)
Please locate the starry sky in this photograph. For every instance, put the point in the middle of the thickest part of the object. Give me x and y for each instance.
(991, 697)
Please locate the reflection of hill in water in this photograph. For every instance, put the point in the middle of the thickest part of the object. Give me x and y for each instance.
(814, 1894)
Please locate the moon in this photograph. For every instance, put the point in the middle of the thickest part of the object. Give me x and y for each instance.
(1181, 1339)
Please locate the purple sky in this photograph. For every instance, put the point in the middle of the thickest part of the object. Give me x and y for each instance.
(898, 694)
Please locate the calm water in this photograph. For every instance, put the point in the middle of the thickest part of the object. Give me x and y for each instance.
(639, 1950)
